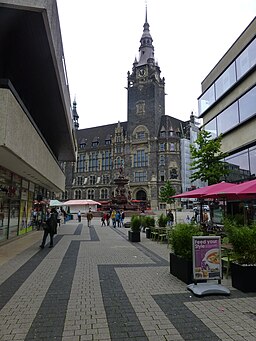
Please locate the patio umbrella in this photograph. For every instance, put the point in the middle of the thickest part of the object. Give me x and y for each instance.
(245, 190)
(81, 202)
(55, 203)
(205, 192)
(219, 191)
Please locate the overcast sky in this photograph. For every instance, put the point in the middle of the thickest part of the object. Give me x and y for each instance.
(101, 40)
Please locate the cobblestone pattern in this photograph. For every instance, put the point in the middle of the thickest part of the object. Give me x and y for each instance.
(108, 279)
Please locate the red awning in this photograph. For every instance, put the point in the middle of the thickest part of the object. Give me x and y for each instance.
(245, 190)
(207, 191)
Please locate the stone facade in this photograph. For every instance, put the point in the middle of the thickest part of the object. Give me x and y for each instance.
(147, 147)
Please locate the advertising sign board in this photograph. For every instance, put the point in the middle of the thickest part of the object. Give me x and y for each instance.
(207, 257)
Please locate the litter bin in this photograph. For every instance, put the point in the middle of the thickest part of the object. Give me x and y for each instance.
(148, 230)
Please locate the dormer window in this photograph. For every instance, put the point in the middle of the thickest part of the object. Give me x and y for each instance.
(95, 143)
(83, 143)
(162, 133)
(107, 142)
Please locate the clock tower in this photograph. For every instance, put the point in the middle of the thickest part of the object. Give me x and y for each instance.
(146, 93)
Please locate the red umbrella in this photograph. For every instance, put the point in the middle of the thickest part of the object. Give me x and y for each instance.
(245, 190)
(207, 191)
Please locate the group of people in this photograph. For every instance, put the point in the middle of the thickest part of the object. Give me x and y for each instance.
(116, 216)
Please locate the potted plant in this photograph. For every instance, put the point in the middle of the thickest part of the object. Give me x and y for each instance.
(162, 220)
(180, 240)
(134, 232)
(243, 269)
(150, 223)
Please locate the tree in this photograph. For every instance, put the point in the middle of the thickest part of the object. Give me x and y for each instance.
(207, 159)
(166, 192)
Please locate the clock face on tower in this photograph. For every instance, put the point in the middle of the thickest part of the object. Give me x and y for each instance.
(142, 72)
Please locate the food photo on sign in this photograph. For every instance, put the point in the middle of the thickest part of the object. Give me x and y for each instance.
(207, 257)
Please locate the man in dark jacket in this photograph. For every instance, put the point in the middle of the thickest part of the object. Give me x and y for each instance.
(50, 227)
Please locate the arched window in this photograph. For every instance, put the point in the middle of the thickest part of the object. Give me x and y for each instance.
(104, 193)
(141, 195)
(78, 194)
(90, 194)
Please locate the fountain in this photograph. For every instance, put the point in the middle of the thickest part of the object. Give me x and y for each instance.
(121, 196)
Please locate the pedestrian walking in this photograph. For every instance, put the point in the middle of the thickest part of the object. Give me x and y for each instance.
(58, 216)
(108, 218)
(122, 218)
(170, 218)
(79, 216)
(103, 219)
(118, 218)
(50, 227)
(113, 217)
(89, 217)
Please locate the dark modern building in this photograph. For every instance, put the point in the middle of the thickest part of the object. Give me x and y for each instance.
(36, 126)
(147, 147)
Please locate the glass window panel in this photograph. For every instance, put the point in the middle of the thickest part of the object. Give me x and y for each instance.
(228, 118)
(225, 81)
(206, 100)
(247, 105)
(246, 60)
(238, 165)
(211, 127)
(140, 176)
(252, 156)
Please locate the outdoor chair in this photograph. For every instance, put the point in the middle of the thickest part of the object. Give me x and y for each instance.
(227, 256)
(162, 235)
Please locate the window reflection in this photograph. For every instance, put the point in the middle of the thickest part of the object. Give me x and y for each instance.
(225, 81)
(207, 99)
(238, 164)
(243, 63)
(246, 60)
(228, 118)
(252, 158)
(211, 127)
(247, 105)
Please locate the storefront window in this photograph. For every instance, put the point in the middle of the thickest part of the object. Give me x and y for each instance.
(5, 183)
(14, 205)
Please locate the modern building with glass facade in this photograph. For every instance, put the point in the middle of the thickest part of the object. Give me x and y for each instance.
(228, 104)
(36, 126)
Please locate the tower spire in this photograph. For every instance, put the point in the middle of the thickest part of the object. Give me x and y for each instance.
(75, 115)
(146, 47)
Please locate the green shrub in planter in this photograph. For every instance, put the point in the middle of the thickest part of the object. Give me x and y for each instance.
(135, 223)
(162, 220)
(180, 239)
(150, 221)
(243, 239)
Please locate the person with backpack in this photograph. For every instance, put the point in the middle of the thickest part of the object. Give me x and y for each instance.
(50, 227)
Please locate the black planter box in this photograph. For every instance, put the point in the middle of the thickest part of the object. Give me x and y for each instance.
(134, 236)
(148, 231)
(243, 277)
(181, 268)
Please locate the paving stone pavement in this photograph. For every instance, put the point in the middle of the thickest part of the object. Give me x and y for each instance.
(96, 285)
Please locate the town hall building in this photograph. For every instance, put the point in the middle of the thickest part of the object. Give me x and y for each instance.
(147, 148)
